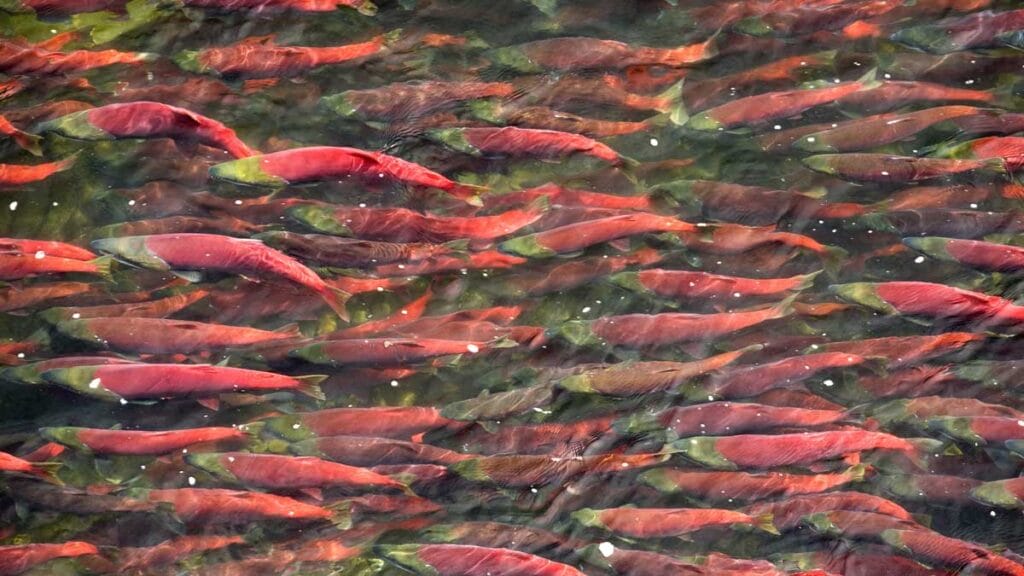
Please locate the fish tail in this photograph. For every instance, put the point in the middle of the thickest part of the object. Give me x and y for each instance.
(62, 165)
(674, 106)
(766, 523)
(997, 165)
(858, 472)
(336, 298)
(47, 471)
(390, 38)
(102, 265)
(469, 193)
(785, 307)
(310, 386)
(807, 280)
(869, 80)
(28, 142)
(833, 260)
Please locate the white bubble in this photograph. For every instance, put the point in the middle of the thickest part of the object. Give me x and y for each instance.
(473, 348)
(13, 205)
(94, 383)
(40, 255)
(191, 480)
(606, 548)
(654, 141)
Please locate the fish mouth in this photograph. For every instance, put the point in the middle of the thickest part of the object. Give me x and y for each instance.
(820, 163)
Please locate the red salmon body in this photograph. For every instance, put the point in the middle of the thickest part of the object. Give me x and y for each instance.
(574, 237)
(687, 284)
(523, 142)
(19, 175)
(462, 560)
(216, 506)
(661, 522)
(748, 381)
(274, 471)
(141, 442)
(17, 265)
(758, 451)
(364, 6)
(579, 53)
(20, 558)
(744, 486)
(262, 58)
(140, 381)
(386, 351)
(979, 254)
(370, 451)
(934, 301)
(385, 421)
(161, 336)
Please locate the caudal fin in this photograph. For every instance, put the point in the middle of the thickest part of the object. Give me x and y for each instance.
(102, 265)
(468, 193)
(336, 299)
(310, 386)
(29, 142)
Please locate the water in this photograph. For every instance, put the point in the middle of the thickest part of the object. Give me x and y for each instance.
(539, 400)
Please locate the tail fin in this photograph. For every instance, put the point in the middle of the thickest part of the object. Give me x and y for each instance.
(997, 165)
(469, 193)
(102, 265)
(807, 280)
(766, 523)
(673, 104)
(310, 386)
(834, 259)
(336, 298)
(29, 142)
(858, 472)
(785, 307)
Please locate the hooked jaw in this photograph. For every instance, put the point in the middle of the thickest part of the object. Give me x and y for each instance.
(81, 379)
(820, 163)
(931, 246)
(996, 494)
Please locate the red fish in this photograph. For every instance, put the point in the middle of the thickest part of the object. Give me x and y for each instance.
(14, 298)
(21, 60)
(9, 463)
(979, 429)
(761, 108)
(548, 119)
(628, 379)
(729, 486)
(462, 560)
(523, 142)
(47, 247)
(18, 265)
(161, 336)
(371, 451)
(19, 175)
(933, 301)
(560, 196)
(148, 120)
(211, 252)
(204, 506)
(874, 131)
(648, 330)
(261, 57)
(1010, 149)
(403, 225)
(891, 94)
(759, 451)
(140, 442)
(581, 271)
(885, 168)
(138, 560)
(753, 205)
(16, 559)
(904, 350)
(403, 100)
(728, 418)
(322, 163)
(350, 252)
(666, 522)
(152, 309)
(961, 33)
(524, 471)
(140, 381)
(934, 488)
(383, 421)
(574, 237)
(386, 351)
(275, 472)
(549, 438)
(486, 260)
(686, 285)
(936, 549)
(987, 256)
(748, 381)
(580, 53)
(788, 512)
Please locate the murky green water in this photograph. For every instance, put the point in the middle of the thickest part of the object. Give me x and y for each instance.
(494, 388)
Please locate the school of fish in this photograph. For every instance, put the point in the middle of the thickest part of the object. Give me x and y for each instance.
(540, 288)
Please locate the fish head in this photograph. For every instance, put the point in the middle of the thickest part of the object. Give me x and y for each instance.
(680, 192)
(340, 105)
(957, 428)
(406, 556)
(928, 38)
(996, 494)
(288, 427)
(821, 163)
(453, 138)
(210, 463)
(527, 246)
(1014, 39)
(513, 58)
(588, 517)
(813, 143)
(189, 61)
(75, 125)
(703, 451)
(822, 524)
(79, 330)
(319, 218)
(366, 8)
(81, 379)
(1015, 446)
(929, 245)
(863, 293)
(659, 480)
(132, 250)
(314, 353)
(703, 122)
(66, 435)
(247, 171)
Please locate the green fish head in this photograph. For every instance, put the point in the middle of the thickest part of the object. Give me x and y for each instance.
(319, 218)
(81, 379)
(211, 464)
(1016, 446)
(288, 427)
(188, 60)
(996, 494)
(367, 8)
(959, 428)
(526, 246)
(702, 451)
(79, 330)
(406, 556)
(629, 280)
(821, 163)
(703, 122)
(814, 143)
(928, 38)
(513, 58)
(658, 479)
(76, 125)
(340, 105)
(130, 249)
(453, 138)
(588, 517)
(863, 293)
(246, 171)
(66, 435)
(930, 245)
